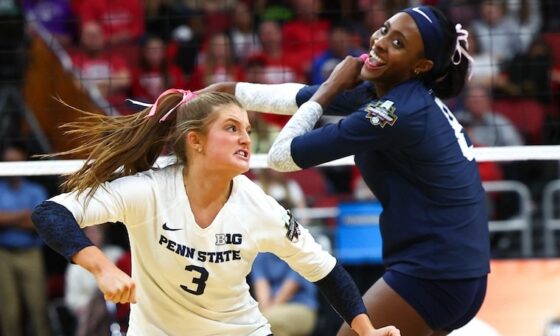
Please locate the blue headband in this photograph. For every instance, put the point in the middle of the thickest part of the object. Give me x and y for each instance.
(432, 36)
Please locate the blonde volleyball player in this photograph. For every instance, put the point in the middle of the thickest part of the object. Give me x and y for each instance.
(195, 227)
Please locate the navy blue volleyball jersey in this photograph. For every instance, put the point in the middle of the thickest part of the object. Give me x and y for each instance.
(416, 158)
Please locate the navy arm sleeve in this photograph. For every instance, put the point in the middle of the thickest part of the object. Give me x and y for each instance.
(58, 228)
(342, 293)
(344, 103)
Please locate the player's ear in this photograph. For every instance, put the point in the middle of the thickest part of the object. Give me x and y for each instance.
(194, 141)
(422, 66)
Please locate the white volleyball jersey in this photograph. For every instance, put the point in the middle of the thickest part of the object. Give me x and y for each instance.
(190, 280)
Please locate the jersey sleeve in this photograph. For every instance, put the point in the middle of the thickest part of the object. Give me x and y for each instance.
(358, 132)
(344, 103)
(293, 243)
(123, 200)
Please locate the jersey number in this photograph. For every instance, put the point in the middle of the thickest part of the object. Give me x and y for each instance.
(466, 148)
(198, 280)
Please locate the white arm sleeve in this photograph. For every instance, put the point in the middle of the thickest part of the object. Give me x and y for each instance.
(271, 98)
(279, 156)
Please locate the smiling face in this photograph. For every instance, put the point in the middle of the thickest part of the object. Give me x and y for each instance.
(396, 52)
(226, 146)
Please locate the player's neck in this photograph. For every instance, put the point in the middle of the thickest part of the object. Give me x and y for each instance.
(207, 190)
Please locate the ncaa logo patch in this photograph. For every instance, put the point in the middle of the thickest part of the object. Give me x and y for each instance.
(381, 113)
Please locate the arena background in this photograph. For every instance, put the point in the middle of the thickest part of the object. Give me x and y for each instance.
(50, 53)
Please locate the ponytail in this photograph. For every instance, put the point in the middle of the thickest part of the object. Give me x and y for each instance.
(115, 146)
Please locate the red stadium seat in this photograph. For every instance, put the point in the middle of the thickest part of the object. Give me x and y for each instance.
(327, 201)
(526, 114)
(553, 40)
(313, 183)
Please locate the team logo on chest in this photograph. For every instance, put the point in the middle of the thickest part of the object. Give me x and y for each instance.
(381, 113)
(228, 238)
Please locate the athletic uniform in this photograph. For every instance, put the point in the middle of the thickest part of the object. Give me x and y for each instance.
(416, 158)
(190, 280)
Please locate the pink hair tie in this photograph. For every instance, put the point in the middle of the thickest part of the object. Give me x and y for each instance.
(462, 35)
(187, 96)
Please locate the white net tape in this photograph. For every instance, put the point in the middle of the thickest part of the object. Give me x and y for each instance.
(495, 154)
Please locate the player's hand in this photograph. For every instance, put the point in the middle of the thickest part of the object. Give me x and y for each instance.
(363, 327)
(116, 285)
(386, 331)
(346, 74)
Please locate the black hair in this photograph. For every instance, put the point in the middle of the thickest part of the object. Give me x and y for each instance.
(448, 82)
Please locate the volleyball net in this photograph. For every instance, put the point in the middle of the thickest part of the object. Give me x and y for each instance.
(258, 161)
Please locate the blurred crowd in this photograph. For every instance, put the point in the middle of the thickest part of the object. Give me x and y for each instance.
(137, 49)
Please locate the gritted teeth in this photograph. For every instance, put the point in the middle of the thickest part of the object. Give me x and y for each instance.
(242, 152)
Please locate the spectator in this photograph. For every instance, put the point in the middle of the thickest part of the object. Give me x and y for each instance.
(56, 16)
(488, 127)
(287, 300)
(272, 66)
(186, 41)
(217, 64)
(496, 30)
(340, 46)
(163, 16)
(280, 66)
(217, 13)
(154, 73)
(122, 21)
(21, 257)
(528, 17)
(528, 75)
(242, 33)
(97, 66)
(307, 34)
(81, 294)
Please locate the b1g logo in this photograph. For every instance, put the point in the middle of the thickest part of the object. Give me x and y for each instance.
(228, 238)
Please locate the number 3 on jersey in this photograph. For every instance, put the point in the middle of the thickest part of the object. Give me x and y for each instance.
(198, 281)
(466, 147)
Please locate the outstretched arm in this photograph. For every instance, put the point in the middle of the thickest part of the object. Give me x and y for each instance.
(271, 98)
(287, 98)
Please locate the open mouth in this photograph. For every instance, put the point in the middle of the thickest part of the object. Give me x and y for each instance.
(242, 153)
(374, 61)
(373, 55)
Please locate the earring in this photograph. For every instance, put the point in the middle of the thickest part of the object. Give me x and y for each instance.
(198, 149)
(416, 72)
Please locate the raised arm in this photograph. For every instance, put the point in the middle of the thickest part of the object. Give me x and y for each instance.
(270, 98)
(344, 76)
(288, 97)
